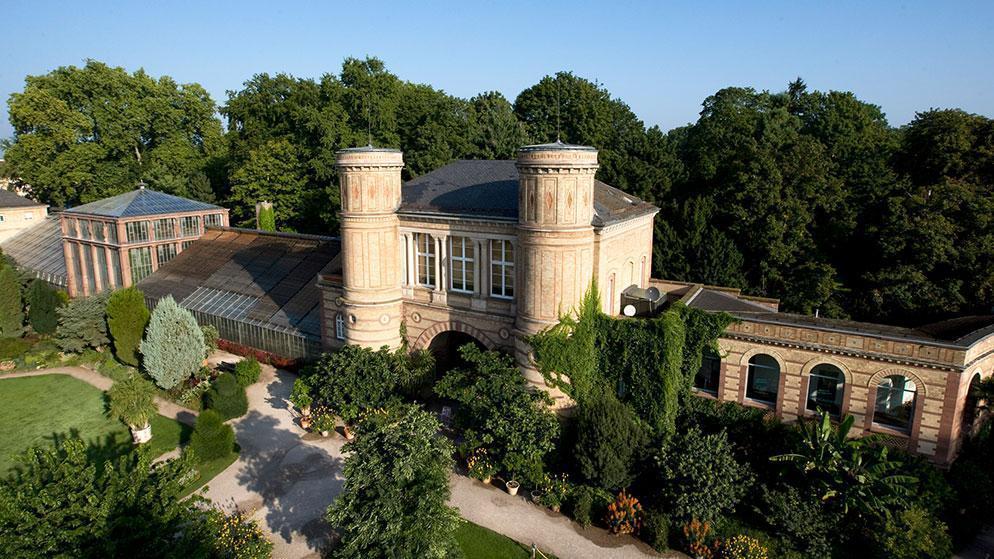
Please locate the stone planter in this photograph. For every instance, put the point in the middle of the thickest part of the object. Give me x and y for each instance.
(512, 487)
(536, 496)
(143, 435)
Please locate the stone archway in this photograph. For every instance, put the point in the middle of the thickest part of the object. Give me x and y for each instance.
(445, 349)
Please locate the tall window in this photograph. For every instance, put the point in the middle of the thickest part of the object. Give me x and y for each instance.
(825, 388)
(895, 406)
(137, 231)
(212, 220)
(165, 228)
(501, 268)
(764, 379)
(112, 232)
(340, 326)
(141, 263)
(461, 255)
(165, 253)
(101, 265)
(425, 256)
(98, 231)
(706, 379)
(186, 244)
(191, 226)
(84, 229)
(115, 264)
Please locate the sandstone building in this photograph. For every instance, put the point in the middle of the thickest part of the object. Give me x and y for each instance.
(18, 213)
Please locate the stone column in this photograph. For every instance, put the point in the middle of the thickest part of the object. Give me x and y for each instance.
(371, 275)
(555, 250)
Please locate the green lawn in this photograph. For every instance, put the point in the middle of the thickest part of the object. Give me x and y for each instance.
(478, 542)
(36, 410)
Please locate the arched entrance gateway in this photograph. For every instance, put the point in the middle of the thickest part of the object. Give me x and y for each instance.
(445, 348)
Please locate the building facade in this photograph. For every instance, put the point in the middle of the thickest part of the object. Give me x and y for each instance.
(18, 214)
(118, 241)
(493, 251)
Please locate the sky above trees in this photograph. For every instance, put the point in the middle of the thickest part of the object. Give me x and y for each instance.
(661, 58)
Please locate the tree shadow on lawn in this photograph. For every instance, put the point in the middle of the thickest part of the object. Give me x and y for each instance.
(295, 480)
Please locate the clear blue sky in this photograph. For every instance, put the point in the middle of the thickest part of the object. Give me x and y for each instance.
(662, 58)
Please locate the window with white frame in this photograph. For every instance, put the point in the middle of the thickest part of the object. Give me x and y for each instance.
(501, 268)
(425, 257)
(340, 326)
(165, 228)
(137, 231)
(212, 220)
(165, 252)
(190, 225)
(462, 253)
(141, 263)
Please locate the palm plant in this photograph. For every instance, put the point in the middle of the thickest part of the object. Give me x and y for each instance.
(854, 473)
(132, 400)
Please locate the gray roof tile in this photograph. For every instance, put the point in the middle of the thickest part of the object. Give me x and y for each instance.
(10, 199)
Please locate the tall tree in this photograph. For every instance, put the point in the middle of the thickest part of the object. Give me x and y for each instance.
(11, 305)
(81, 134)
(127, 317)
(393, 503)
(273, 173)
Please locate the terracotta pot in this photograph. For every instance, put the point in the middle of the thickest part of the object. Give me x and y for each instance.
(555, 508)
(305, 411)
(512, 487)
(349, 435)
(306, 421)
(486, 480)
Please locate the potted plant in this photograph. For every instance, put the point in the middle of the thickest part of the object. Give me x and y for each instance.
(479, 466)
(555, 493)
(132, 400)
(512, 487)
(324, 423)
(306, 421)
(536, 495)
(300, 396)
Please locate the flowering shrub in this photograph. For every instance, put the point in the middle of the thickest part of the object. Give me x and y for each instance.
(742, 547)
(236, 536)
(554, 492)
(479, 465)
(695, 539)
(323, 419)
(624, 515)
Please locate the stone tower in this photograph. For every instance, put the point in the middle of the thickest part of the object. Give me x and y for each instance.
(555, 238)
(371, 268)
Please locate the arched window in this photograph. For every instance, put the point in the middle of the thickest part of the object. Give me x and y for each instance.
(895, 405)
(825, 388)
(764, 379)
(707, 377)
(340, 326)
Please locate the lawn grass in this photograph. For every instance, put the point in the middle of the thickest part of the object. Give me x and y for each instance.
(38, 410)
(206, 471)
(478, 542)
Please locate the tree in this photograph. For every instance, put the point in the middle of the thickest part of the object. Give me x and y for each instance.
(212, 437)
(266, 217)
(132, 400)
(81, 134)
(173, 348)
(354, 379)
(124, 508)
(498, 411)
(393, 503)
(855, 474)
(11, 305)
(127, 317)
(498, 133)
(82, 324)
(609, 441)
(273, 172)
(701, 478)
(43, 301)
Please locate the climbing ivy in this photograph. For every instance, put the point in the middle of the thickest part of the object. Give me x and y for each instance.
(648, 362)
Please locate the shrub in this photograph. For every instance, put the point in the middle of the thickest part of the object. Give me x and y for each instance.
(212, 437)
(742, 547)
(555, 490)
(479, 465)
(624, 515)
(237, 536)
(300, 395)
(911, 534)
(11, 304)
(211, 336)
(802, 521)
(127, 317)
(589, 503)
(656, 530)
(43, 301)
(82, 324)
(701, 478)
(609, 440)
(247, 371)
(132, 400)
(354, 379)
(173, 348)
(226, 397)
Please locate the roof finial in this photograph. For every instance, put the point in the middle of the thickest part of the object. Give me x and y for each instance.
(141, 184)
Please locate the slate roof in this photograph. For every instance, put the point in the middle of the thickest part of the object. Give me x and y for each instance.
(139, 202)
(251, 276)
(10, 199)
(489, 189)
(39, 250)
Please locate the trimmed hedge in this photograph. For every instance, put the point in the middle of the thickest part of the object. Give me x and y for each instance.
(247, 371)
(226, 397)
(212, 437)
